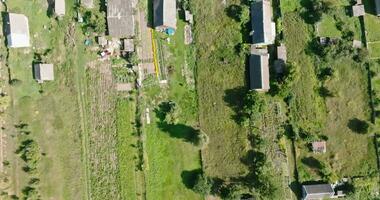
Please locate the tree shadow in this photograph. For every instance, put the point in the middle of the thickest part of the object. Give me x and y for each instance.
(311, 13)
(312, 162)
(181, 131)
(234, 99)
(358, 126)
(234, 12)
(189, 178)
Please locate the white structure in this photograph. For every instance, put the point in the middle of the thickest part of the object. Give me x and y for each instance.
(43, 72)
(17, 30)
(165, 14)
(59, 7)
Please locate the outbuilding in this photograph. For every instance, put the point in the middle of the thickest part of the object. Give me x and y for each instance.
(259, 72)
(59, 7)
(165, 15)
(120, 18)
(358, 10)
(129, 46)
(17, 30)
(317, 192)
(263, 28)
(319, 146)
(43, 72)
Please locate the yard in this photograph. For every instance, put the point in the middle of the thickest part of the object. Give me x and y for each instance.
(172, 150)
(312, 113)
(50, 109)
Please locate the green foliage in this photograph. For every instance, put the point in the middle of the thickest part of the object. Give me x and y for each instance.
(30, 152)
(94, 21)
(203, 185)
(133, 59)
(253, 105)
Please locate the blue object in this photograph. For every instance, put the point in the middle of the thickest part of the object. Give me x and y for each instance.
(170, 31)
(87, 42)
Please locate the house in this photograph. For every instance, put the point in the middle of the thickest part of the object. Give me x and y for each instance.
(59, 7)
(120, 18)
(43, 72)
(317, 192)
(259, 72)
(128, 45)
(319, 147)
(263, 28)
(17, 30)
(358, 10)
(165, 15)
(377, 3)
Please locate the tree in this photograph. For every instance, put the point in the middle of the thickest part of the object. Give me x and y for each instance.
(30, 152)
(203, 185)
(253, 106)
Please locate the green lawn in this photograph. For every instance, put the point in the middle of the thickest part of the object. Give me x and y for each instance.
(127, 151)
(172, 159)
(327, 27)
(52, 115)
(374, 49)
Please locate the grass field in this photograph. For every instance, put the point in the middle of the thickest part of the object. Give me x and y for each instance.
(172, 157)
(52, 114)
(310, 113)
(220, 86)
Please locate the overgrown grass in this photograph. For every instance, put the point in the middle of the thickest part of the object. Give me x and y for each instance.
(127, 147)
(220, 87)
(374, 49)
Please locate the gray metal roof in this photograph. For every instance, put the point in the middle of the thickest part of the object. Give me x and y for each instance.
(261, 19)
(165, 14)
(120, 18)
(259, 72)
(318, 191)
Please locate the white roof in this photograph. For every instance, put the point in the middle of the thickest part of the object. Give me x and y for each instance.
(170, 13)
(18, 33)
(44, 72)
(59, 7)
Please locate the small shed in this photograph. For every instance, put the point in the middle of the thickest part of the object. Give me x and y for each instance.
(17, 30)
(189, 17)
(317, 191)
(128, 45)
(358, 10)
(59, 7)
(43, 72)
(102, 41)
(319, 146)
(357, 44)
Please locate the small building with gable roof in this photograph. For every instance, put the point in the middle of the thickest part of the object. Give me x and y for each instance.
(165, 15)
(317, 192)
(43, 72)
(263, 28)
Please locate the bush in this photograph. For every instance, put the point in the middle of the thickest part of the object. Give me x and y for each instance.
(203, 185)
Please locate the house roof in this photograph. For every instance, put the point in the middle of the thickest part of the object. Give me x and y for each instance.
(259, 72)
(17, 30)
(59, 7)
(165, 14)
(358, 10)
(377, 2)
(120, 18)
(319, 146)
(318, 191)
(44, 72)
(262, 25)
